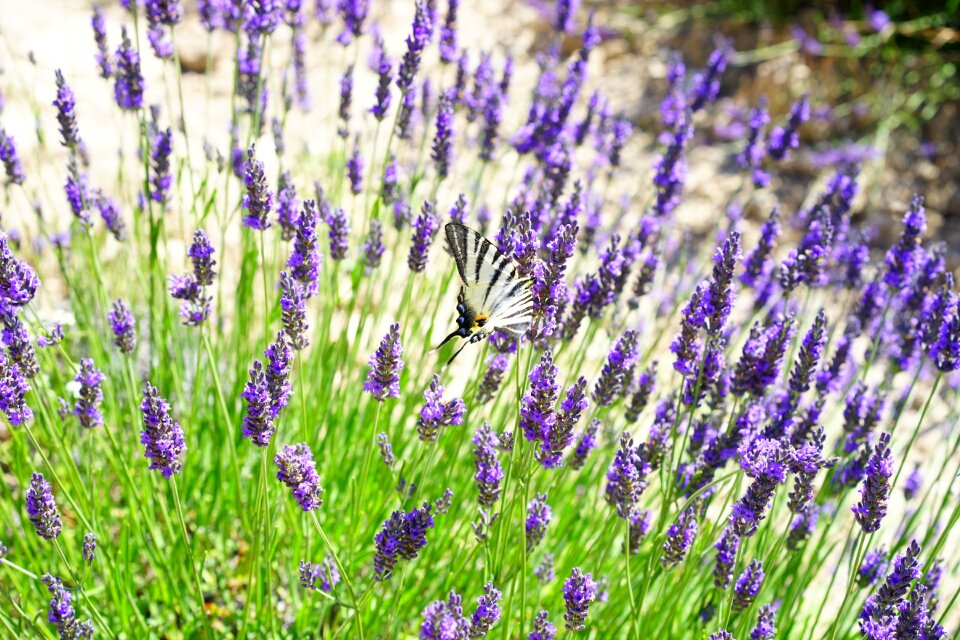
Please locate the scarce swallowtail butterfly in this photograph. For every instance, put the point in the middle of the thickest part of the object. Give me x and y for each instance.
(492, 296)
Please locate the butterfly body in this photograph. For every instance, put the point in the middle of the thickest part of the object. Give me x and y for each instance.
(492, 296)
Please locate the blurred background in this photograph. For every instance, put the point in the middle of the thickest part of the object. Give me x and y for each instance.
(883, 88)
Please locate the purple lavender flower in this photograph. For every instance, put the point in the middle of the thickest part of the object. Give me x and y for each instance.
(586, 443)
(354, 13)
(386, 450)
(297, 470)
(323, 576)
(876, 487)
(680, 537)
(89, 548)
(579, 590)
(448, 33)
(373, 247)
(443, 620)
(436, 413)
(537, 417)
(748, 585)
(873, 567)
(17, 340)
(301, 88)
(784, 138)
(13, 389)
(262, 17)
(293, 305)
(443, 141)
(402, 536)
(66, 113)
(751, 156)
(626, 477)
(42, 509)
(880, 608)
(686, 345)
(758, 264)
(492, 377)
(355, 167)
(78, 193)
(487, 614)
(913, 483)
(286, 206)
(543, 629)
(52, 338)
(622, 358)
(258, 199)
(110, 212)
(560, 435)
(128, 81)
(10, 159)
(161, 436)
(646, 382)
(87, 409)
(100, 37)
(123, 326)
(339, 233)
(201, 255)
(670, 169)
(425, 227)
(727, 547)
(721, 634)
(946, 350)
(346, 98)
(803, 526)
(62, 614)
(902, 259)
(383, 379)
(384, 79)
(279, 357)
(489, 473)
(18, 281)
(765, 460)
(538, 519)
(258, 422)
(807, 461)
(416, 42)
(304, 261)
(706, 85)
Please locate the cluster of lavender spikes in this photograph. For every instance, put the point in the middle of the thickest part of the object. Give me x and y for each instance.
(748, 400)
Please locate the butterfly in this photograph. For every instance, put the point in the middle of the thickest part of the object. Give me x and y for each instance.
(492, 296)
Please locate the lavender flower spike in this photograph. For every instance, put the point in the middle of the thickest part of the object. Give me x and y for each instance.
(783, 139)
(383, 379)
(425, 228)
(102, 56)
(42, 509)
(443, 620)
(304, 261)
(13, 388)
(487, 613)
(543, 629)
(680, 537)
(536, 408)
(436, 413)
(748, 586)
(579, 590)
(87, 409)
(538, 519)
(560, 435)
(128, 81)
(489, 473)
(258, 422)
(161, 436)
(416, 42)
(338, 234)
(258, 199)
(903, 258)
(123, 326)
(62, 614)
(622, 358)
(443, 142)
(876, 487)
(293, 305)
(297, 470)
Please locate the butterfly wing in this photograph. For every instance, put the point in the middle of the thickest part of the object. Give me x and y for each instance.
(492, 296)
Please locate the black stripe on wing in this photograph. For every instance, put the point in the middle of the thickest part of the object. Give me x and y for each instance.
(457, 239)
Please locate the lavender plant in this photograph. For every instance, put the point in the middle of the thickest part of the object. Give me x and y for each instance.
(788, 470)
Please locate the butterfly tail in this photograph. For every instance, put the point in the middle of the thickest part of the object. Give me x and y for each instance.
(450, 337)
